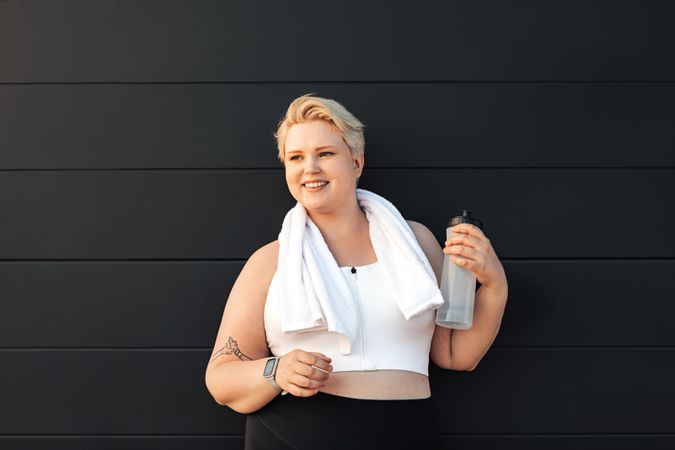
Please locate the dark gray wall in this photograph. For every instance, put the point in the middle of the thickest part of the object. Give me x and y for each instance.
(129, 131)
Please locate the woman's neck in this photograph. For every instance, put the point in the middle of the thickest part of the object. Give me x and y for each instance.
(343, 225)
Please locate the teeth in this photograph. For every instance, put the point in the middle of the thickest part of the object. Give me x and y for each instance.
(312, 185)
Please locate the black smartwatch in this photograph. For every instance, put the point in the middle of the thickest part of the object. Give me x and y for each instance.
(270, 372)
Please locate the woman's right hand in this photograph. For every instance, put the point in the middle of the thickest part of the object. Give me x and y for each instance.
(298, 372)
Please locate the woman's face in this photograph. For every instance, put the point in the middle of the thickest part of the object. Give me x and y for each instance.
(315, 152)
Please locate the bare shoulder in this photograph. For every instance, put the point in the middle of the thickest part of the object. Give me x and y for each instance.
(266, 257)
(421, 231)
(241, 335)
(260, 268)
(426, 239)
(430, 246)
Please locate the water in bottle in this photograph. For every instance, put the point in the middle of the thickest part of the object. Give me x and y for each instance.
(458, 285)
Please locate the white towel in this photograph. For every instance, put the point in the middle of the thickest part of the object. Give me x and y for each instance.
(313, 294)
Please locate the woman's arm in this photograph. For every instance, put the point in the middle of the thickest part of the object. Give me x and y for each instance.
(463, 349)
(240, 385)
(234, 372)
(469, 346)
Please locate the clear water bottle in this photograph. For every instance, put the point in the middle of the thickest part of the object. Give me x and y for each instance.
(458, 285)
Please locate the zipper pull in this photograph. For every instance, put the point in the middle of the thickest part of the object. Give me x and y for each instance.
(353, 269)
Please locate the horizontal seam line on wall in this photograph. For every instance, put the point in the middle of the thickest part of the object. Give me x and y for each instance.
(479, 435)
(314, 82)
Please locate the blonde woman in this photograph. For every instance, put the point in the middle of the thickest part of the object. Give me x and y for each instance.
(377, 396)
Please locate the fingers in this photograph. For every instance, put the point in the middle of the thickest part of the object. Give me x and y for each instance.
(302, 385)
(463, 251)
(315, 359)
(464, 239)
(306, 383)
(315, 373)
(322, 362)
(305, 372)
(315, 367)
(301, 392)
(470, 229)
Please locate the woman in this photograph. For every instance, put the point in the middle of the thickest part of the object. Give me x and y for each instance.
(372, 400)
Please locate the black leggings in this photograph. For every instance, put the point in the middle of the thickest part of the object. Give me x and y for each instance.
(326, 421)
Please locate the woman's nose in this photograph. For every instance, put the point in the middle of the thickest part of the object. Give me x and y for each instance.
(311, 165)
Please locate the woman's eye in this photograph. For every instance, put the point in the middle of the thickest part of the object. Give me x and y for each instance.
(295, 156)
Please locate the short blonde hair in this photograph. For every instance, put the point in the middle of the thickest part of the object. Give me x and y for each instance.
(309, 107)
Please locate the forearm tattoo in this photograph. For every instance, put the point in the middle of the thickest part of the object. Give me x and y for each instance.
(231, 348)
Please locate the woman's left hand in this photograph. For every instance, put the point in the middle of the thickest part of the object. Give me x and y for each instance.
(477, 255)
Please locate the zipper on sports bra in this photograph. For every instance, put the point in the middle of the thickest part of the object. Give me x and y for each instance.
(358, 300)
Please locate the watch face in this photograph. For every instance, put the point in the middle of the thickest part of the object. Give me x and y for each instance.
(269, 367)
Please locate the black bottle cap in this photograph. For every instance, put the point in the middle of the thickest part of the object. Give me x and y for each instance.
(466, 218)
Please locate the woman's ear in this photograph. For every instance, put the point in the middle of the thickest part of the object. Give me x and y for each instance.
(358, 163)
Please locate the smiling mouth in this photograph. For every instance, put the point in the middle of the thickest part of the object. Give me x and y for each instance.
(316, 188)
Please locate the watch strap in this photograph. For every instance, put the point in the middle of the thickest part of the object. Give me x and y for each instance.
(270, 378)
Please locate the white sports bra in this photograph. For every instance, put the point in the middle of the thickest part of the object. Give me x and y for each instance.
(385, 341)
